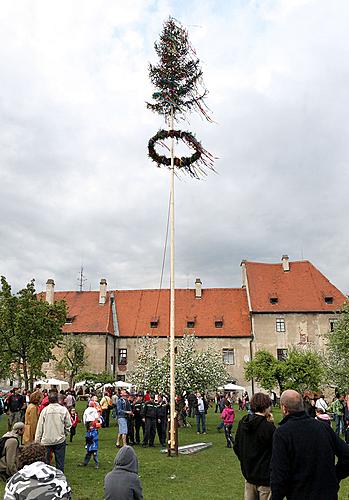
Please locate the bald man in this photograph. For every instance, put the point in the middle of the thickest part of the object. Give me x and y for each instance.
(304, 454)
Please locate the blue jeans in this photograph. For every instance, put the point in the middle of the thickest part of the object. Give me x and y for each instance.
(201, 416)
(59, 452)
(339, 424)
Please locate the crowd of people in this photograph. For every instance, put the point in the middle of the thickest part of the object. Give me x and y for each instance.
(295, 460)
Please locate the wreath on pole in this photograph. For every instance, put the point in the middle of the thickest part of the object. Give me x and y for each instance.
(180, 89)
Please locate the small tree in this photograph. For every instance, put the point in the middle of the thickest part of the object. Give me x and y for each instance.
(29, 329)
(194, 370)
(73, 357)
(300, 370)
(337, 343)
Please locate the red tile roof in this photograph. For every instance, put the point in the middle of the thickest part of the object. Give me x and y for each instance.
(136, 308)
(88, 315)
(301, 289)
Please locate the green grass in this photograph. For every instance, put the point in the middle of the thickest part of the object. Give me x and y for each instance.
(213, 473)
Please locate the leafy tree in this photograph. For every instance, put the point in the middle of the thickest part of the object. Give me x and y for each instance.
(29, 329)
(300, 370)
(337, 343)
(194, 370)
(73, 357)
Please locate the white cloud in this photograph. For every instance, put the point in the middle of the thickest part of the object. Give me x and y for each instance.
(76, 182)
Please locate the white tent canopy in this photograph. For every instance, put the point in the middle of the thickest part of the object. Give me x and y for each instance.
(120, 383)
(46, 383)
(233, 387)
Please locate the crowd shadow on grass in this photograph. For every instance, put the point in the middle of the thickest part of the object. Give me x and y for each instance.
(213, 473)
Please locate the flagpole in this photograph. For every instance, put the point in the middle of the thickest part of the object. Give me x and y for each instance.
(172, 299)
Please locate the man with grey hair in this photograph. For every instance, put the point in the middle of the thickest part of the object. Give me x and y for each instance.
(304, 454)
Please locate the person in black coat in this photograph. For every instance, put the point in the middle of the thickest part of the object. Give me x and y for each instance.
(137, 412)
(149, 415)
(303, 464)
(161, 423)
(253, 447)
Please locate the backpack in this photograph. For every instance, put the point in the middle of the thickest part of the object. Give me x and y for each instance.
(3, 442)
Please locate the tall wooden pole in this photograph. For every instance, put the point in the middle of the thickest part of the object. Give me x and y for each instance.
(172, 299)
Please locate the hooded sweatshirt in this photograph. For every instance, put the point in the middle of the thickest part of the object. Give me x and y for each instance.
(123, 481)
(8, 460)
(38, 480)
(253, 447)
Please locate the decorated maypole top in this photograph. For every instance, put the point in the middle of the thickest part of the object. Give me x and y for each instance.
(180, 89)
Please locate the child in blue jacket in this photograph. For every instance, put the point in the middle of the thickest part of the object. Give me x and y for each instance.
(92, 444)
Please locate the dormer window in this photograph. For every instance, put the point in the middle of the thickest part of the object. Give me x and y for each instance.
(328, 300)
(154, 322)
(274, 300)
(218, 323)
(190, 324)
(69, 320)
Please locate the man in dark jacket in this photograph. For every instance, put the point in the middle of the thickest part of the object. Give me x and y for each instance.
(149, 414)
(123, 481)
(253, 446)
(161, 424)
(137, 412)
(304, 455)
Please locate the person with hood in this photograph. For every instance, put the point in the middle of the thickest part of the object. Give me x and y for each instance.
(253, 447)
(35, 479)
(123, 481)
(9, 449)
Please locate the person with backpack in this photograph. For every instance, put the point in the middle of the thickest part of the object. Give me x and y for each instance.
(9, 446)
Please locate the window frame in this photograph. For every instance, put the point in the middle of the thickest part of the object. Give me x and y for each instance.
(279, 322)
(122, 359)
(228, 351)
(281, 353)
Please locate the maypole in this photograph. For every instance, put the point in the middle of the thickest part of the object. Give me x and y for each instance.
(178, 80)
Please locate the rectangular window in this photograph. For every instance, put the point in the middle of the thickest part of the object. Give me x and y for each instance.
(190, 324)
(68, 321)
(122, 357)
(218, 324)
(280, 325)
(281, 354)
(154, 324)
(329, 300)
(333, 324)
(274, 300)
(229, 356)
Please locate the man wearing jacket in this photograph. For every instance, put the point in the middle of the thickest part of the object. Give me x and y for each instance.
(303, 465)
(253, 446)
(53, 427)
(161, 424)
(149, 414)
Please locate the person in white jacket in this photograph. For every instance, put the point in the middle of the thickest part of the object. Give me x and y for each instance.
(90, 415)
(53, 427)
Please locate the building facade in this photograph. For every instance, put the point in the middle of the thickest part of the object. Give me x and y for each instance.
(277, 306)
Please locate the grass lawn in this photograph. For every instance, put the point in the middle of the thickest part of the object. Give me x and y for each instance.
(213, 473)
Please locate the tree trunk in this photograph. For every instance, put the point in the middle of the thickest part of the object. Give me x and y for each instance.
(25, 374)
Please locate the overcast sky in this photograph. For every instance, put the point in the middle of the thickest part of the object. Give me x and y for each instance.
(77, 187)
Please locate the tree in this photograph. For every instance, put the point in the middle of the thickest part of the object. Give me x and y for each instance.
(301, 370)
(194, 370)
(29, 329)
(337, 343)
(73, 357)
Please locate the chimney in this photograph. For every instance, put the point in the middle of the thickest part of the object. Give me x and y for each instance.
(243, 273)
(285, 263)
(102, 291)
(50, 291)
(198, 290)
